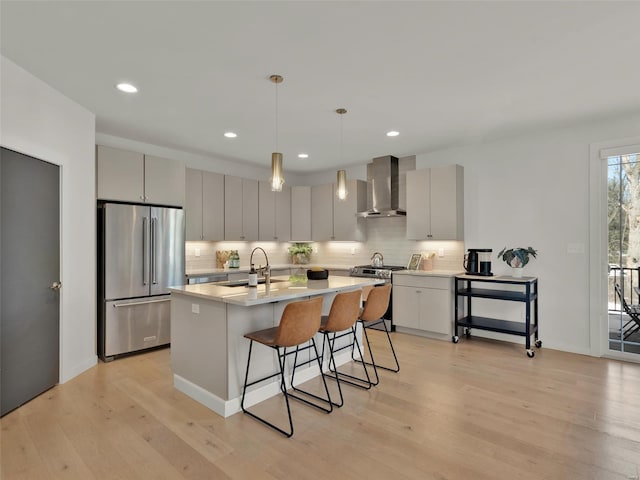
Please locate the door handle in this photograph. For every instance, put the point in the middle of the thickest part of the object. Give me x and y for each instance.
(133, 304)
(154, 254)
(145, 273)
(56, 286)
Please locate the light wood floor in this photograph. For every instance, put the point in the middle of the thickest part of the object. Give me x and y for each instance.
(476, 410)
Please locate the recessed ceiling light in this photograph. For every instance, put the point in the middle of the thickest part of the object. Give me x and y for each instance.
(393, 133)
(126, 87)
(303, 155)
(230, 134)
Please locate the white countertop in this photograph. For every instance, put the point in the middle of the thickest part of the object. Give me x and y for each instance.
(429, 273)
(202, 272)
(279, 290)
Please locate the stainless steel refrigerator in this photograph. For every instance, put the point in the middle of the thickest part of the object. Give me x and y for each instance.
(140, 255)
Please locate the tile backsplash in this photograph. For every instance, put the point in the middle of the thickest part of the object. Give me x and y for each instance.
(385, 235)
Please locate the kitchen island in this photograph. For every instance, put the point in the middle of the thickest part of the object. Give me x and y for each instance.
(208, 348)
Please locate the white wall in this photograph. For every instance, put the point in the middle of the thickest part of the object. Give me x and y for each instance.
(533, 190)
(38, 121)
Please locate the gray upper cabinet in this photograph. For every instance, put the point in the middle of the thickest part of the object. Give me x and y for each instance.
(435, 203)
(134, 177)
(322, 213)
(164, 181)
(301, 214)
(212, 206)
(120, 175)
(193, 204)
(274, 214)
(204, 205)
(335, 219)
(346, 226)
(240, 209)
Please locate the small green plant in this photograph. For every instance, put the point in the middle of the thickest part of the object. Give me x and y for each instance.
(303, 248)
(298, 279)
(300, 252)
(517, 257)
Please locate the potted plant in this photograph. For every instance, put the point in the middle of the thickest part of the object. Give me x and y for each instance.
(517, 258)
(300, 253)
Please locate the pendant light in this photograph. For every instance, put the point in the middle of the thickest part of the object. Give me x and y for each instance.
(277, 179)
(341, 190)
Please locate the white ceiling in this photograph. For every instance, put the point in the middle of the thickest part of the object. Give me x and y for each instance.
(441, 73)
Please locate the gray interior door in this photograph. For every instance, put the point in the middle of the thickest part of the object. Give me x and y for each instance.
(30, 266)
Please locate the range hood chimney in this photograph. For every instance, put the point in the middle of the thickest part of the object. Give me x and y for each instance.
(383, 188)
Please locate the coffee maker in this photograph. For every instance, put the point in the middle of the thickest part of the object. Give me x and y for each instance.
(478, 262)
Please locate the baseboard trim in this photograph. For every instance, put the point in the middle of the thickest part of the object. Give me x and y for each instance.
(226, 408)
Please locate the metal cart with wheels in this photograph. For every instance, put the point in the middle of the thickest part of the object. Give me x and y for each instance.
(475, 286)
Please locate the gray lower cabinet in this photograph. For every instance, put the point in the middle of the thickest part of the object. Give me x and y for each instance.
(423, 303)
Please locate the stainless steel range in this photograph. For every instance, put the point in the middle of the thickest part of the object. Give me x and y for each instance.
(383, 272)
(375, 272)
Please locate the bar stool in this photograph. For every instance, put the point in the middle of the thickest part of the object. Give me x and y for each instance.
(342, 318)
(299, 323)
(374, 309)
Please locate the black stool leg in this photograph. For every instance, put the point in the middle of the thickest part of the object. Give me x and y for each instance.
(393, 351)
(326, 400)
(364, 383)
(281, 362)
(332, 361)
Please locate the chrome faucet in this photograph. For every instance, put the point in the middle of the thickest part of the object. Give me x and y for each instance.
(377, 260)
(266, 270)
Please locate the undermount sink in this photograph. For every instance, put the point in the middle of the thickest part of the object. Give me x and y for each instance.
(243, 283)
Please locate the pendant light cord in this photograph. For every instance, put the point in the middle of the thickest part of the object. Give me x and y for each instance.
(341, 138)
(276, 116)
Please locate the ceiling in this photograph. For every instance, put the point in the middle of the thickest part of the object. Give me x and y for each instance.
(440, 73)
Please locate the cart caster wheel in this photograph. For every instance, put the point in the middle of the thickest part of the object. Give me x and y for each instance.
(467, 332)
(455, 339)
(538, 343)
(531, 353)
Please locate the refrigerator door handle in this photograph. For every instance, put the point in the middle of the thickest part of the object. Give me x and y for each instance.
(154, 254)
(145, 273)
(133, 304)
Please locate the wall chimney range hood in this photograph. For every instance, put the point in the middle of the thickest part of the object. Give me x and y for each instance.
(383, 188)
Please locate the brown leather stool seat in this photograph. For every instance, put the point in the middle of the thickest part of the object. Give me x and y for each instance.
(371, 315)
(339, 323)
(298, 325)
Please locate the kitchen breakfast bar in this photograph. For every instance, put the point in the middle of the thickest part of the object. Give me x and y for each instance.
(208, 324)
